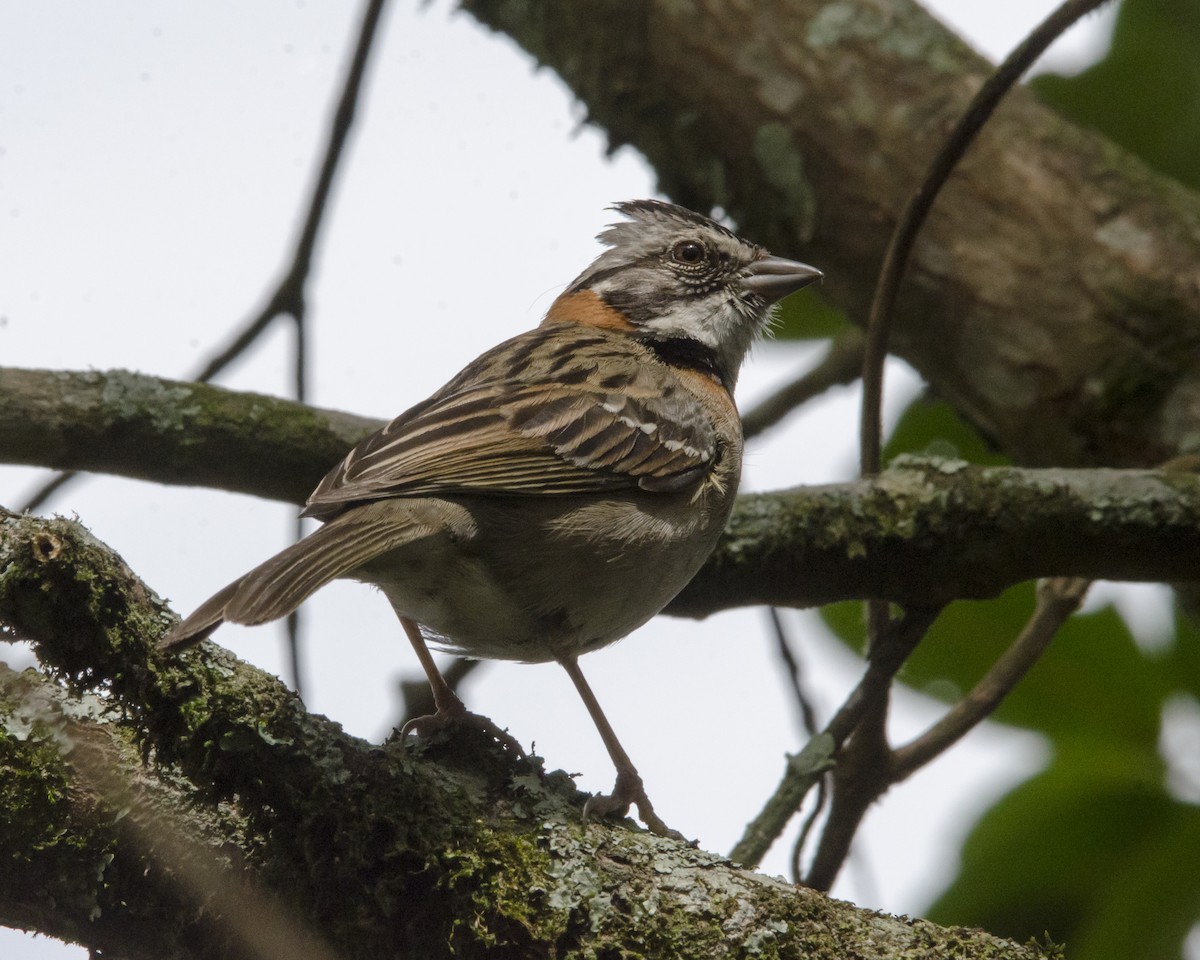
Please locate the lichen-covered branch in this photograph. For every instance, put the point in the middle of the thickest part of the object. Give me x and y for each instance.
(241, 797)
(1054, 295)
(106, 850)
(170, 431)
(925, 532)
(922, 533)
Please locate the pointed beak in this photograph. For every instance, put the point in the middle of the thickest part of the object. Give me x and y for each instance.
(773, 278)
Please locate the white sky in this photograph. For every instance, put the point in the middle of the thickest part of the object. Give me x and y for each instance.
(153, 158)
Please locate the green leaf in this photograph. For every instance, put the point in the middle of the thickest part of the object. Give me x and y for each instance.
(1145, 95)
(1182, 660)
(1157, 901)
(1083, 852)
(933, 427)
(807, 315)
(1092, 682)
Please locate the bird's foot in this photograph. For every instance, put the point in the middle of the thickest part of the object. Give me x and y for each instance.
(629, 790)
(456, 714)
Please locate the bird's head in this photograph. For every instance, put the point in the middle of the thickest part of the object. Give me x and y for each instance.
(672, 275)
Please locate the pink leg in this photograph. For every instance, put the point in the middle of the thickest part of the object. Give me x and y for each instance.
(629, 788)
(450, 708)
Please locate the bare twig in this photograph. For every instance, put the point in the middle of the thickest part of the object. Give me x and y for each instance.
(842, 364)
(900, 640)
(861, 773)
(806, 768)
(808, 719)
(1057, 599)
(47, 490)
(287, 298)
(808, 715)
(806, 828)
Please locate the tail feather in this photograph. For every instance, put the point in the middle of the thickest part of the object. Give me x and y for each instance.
(208, 616)
(278, 586)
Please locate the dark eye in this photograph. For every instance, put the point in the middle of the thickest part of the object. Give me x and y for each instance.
(689, 252)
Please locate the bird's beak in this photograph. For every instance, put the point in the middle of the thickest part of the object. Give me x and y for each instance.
(773, 278)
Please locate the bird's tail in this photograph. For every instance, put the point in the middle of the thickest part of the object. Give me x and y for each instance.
(277, 587)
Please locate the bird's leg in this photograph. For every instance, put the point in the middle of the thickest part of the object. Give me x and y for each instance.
(629, 788)
(450, 709)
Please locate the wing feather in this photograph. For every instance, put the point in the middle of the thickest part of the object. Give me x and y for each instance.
(512, 432)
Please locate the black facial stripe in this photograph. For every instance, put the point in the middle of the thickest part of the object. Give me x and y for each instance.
(635, 305)
(689, 354)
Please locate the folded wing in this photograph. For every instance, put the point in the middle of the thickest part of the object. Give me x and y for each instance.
(595, 419)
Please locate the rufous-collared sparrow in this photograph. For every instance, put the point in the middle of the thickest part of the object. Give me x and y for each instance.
(559, 491)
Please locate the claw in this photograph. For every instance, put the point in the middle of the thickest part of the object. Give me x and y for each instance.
(628, 791)
(427, 726)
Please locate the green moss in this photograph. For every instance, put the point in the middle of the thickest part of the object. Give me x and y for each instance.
(57, 859)
(498, 878)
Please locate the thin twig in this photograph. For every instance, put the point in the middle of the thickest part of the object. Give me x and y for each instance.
(803, 770)
(860, 775)
(806, 829)
(287, 298)
(982, 105)
(1057, 599)
(808, 714)
(842, 364)
(47, 490)
(808, 718)
(806, 768)
(881, 670)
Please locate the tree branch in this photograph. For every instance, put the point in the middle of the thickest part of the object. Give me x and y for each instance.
(916, 212)
(1057, 600)
(462, 851)
(121, 827)
(924, 532)
(287, 297)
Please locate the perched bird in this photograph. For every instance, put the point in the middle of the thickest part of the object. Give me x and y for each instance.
(565, 486)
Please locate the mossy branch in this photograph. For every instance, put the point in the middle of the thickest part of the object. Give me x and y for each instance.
(199, 790)
(922, 533)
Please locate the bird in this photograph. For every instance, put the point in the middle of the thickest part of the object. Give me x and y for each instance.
(562, 488)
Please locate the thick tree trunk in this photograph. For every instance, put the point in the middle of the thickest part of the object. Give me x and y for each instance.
(1054, 296)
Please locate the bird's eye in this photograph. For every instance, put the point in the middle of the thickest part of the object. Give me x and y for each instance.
(689, 252)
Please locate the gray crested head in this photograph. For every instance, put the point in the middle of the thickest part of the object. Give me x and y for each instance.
(678, 275)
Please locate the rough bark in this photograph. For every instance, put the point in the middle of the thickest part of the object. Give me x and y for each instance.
(129, 783)
(117, 422)
(924, 532)
(1054, 297)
